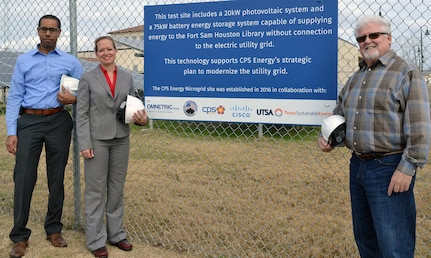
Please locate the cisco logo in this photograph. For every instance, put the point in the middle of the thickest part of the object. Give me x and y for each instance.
(241, 111)
(190, 108)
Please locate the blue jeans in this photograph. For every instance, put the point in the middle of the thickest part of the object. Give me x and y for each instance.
(383, 226)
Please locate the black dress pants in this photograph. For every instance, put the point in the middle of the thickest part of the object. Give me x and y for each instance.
(35, 131)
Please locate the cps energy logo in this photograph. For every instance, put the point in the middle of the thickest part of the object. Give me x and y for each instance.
(214, 110)
(220, 110)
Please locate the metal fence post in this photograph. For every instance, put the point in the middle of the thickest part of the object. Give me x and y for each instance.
(76, 155)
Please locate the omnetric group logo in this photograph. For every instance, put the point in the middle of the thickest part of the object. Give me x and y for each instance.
(190, 108)
(161, 108)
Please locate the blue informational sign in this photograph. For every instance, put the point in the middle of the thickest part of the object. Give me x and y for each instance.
(262, 61)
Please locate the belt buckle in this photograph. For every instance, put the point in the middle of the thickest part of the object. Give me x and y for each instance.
(363, 156)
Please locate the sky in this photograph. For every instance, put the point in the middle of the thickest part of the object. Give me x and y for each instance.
(410, 19)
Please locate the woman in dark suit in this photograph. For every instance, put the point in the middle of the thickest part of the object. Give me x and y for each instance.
(104, 144)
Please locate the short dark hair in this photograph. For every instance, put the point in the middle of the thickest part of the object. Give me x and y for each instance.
(50, 16)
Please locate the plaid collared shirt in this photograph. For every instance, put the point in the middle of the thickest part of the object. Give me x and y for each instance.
(387, 109)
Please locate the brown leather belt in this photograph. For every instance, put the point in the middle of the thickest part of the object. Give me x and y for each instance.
(45, 112)
(374, 155)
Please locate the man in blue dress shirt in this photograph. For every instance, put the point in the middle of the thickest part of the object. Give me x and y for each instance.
(35, 116)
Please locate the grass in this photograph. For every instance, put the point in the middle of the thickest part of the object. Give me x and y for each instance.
(41, 248)
(220, 196)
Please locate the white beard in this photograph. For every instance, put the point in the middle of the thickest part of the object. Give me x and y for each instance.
(372, 54)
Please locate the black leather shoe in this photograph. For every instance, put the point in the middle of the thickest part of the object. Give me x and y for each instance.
(124, 245)
(102, 252)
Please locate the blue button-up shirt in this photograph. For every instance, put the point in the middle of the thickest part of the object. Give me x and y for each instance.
(36, 82)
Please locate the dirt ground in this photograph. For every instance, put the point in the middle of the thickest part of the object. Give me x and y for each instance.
(39, 247)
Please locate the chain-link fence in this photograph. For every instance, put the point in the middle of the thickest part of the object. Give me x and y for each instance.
(208, 188)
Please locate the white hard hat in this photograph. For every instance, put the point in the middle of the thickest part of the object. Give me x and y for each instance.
(128, 108)
(334, 130)
(70, 83)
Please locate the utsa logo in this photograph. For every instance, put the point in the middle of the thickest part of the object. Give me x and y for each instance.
(264, 112)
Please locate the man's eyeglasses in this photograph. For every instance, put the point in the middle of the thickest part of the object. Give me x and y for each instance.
(371, 36)
(45, 30)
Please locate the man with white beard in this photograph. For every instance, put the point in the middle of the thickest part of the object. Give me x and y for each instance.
(387, 112)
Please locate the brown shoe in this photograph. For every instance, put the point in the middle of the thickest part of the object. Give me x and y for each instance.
(124, 245)
(18, 249)
(57, 240)
(102, 252)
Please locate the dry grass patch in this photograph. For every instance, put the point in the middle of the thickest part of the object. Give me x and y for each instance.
(235, 197)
